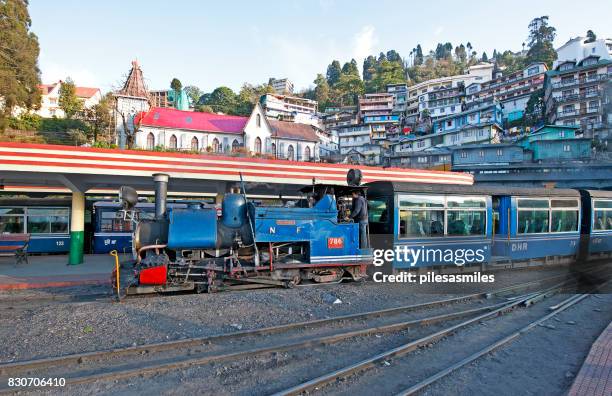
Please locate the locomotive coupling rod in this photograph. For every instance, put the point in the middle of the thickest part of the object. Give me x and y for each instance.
(114, 254)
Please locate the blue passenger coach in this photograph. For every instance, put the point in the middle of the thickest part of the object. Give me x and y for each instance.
(111, 231)
(46, 220)
(536, 223)
(597, 221)
(440, 224)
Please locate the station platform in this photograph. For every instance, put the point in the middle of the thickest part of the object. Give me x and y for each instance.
(595, 376)
(53, 271)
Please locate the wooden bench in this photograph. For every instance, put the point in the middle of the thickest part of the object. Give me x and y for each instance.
(15, 245)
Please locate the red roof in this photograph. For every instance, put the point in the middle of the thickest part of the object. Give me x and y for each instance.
(81, 92)
(193, 120)
(293, 130)
(86, 92)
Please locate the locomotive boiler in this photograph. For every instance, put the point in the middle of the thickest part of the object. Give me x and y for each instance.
(240, 245)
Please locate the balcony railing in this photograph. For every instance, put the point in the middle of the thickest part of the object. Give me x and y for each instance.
(577, 97)
(584, 80)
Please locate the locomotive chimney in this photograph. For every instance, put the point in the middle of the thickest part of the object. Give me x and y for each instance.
(161, 191)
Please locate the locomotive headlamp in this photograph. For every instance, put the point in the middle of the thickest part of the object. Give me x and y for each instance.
(128, 197)
(353, 177)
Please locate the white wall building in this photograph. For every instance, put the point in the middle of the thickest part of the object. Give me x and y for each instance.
(49, 106)
(218, 133)
(282, 85)
(577, 49)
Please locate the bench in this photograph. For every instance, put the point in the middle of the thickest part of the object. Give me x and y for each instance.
(15, 245)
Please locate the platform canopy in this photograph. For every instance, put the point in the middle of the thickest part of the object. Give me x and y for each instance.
(84, 169)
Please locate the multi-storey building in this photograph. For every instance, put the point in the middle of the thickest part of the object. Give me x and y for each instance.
(290, 108)
(443, 96)
(400, 95)
(579, 93)
(376, 109)
(357, 145)
(512, 91)
(334, 118)
(475, 126)
(281, 86)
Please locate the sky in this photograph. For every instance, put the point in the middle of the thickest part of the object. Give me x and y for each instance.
(228, 43)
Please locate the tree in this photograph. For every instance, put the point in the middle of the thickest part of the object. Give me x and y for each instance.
(99, 119)
(176, 85)
(541, 37)
(385, 73)
(418, 57)
(484, 57)
(591, 36)
(393, 56)
(221, 100)
(460, 53)
(534, 110)
(333, 73)
(131, 125)
(193, 93)
(349, 88)
(19, 50)
(321, 91)
(68, 101)
(350, 68)
(369, 65)
(249, 95)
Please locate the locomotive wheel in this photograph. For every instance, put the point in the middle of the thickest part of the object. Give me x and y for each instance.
(294, 282)
(327, 276)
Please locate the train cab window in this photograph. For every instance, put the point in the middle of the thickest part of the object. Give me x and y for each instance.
(466, 216)
(48, 220)
(378, 211)
(12, 220)
(564, 215)
(602, 215)
(533, 216)
(111, 222)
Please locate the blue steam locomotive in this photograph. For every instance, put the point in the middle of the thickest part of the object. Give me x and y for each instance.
(201, 248)
(197, 248)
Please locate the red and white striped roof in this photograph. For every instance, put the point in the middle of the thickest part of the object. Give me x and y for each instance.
(80, 160)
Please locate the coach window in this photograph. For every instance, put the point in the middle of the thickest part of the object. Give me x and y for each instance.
(466, 216)
(12, 220)
(533, 216)
(564, 215)
(47, 220)
(111, 222)
(421, 216)
(378, 211)
(602, 219)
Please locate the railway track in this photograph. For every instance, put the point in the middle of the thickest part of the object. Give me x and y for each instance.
(162, 357)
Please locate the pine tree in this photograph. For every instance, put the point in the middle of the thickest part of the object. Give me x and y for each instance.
(484, 58)
(369, 66)
(333, 72)
(19, 73)
(541, 37)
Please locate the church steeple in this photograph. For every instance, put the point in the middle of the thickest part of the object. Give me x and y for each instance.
(134, 84)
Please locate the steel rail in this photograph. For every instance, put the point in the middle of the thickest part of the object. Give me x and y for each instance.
(555, 310)
(409, 347)
(168, 345)
(490, 348)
